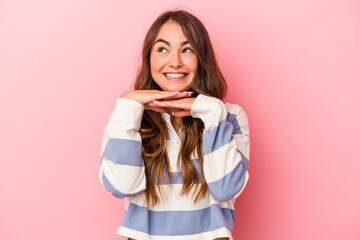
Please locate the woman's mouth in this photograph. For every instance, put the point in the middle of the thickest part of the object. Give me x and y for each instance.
(175, 76)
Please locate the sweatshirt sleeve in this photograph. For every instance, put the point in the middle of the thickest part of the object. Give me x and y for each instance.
(226, 146)
(122, 169)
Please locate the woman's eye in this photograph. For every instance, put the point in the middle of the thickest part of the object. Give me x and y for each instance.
(188, 50)
(162, 49)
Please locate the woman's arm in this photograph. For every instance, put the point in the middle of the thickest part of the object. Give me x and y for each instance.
(226, 146)
(226, 143)
(122, 169)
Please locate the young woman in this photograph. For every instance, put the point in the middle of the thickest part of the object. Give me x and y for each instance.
(172, 149)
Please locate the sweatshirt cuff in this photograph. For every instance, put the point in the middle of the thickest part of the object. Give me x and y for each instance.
(129, 112)
(210, 110)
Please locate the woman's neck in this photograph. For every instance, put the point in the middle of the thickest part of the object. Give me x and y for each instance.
(175, 121)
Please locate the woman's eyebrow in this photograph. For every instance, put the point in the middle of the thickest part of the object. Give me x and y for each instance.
(167, 43)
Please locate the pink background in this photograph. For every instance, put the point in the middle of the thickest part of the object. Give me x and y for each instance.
(292, 65)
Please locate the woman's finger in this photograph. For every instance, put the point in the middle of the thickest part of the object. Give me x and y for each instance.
(156, 109)
(168, 104)
(184, 103)
(146, 96)
(181, 113)
(174, 95)
(183, 94)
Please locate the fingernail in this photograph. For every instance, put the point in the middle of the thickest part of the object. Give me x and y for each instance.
(188, 92)
(172, 113)
(155, 101)
(175, 92)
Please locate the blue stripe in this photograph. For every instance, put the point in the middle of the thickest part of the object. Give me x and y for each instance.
(226, 188)
(246, 161)
(197, 166)
(176, 176)
(124, 151)
(173, 223)
(232, 118)
(217, 137)
(114, 191)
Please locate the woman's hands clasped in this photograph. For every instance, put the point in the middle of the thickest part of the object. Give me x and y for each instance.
(180, 103)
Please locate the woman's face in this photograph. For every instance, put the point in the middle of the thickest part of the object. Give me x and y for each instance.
(172, 59)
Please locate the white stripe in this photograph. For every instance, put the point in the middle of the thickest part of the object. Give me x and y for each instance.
(220, 162)
(117, 131)
(124, 178)
(241, 117)
(218, 233)
(243, 144)
(100, 175)
(128, 135)
(124, 121)
(210, 110)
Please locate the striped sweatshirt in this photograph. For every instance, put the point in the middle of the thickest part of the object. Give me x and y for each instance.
(226, 150)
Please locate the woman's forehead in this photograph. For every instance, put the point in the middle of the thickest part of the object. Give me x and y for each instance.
(172, 33)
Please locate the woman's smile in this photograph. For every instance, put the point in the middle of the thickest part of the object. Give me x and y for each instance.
(175, 76)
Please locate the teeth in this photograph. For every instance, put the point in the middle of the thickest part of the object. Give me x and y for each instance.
(173, 75)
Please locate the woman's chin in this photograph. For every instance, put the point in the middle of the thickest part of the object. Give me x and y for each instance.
(177, 89)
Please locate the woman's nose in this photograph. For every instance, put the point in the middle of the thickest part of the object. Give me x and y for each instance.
(175, 60)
